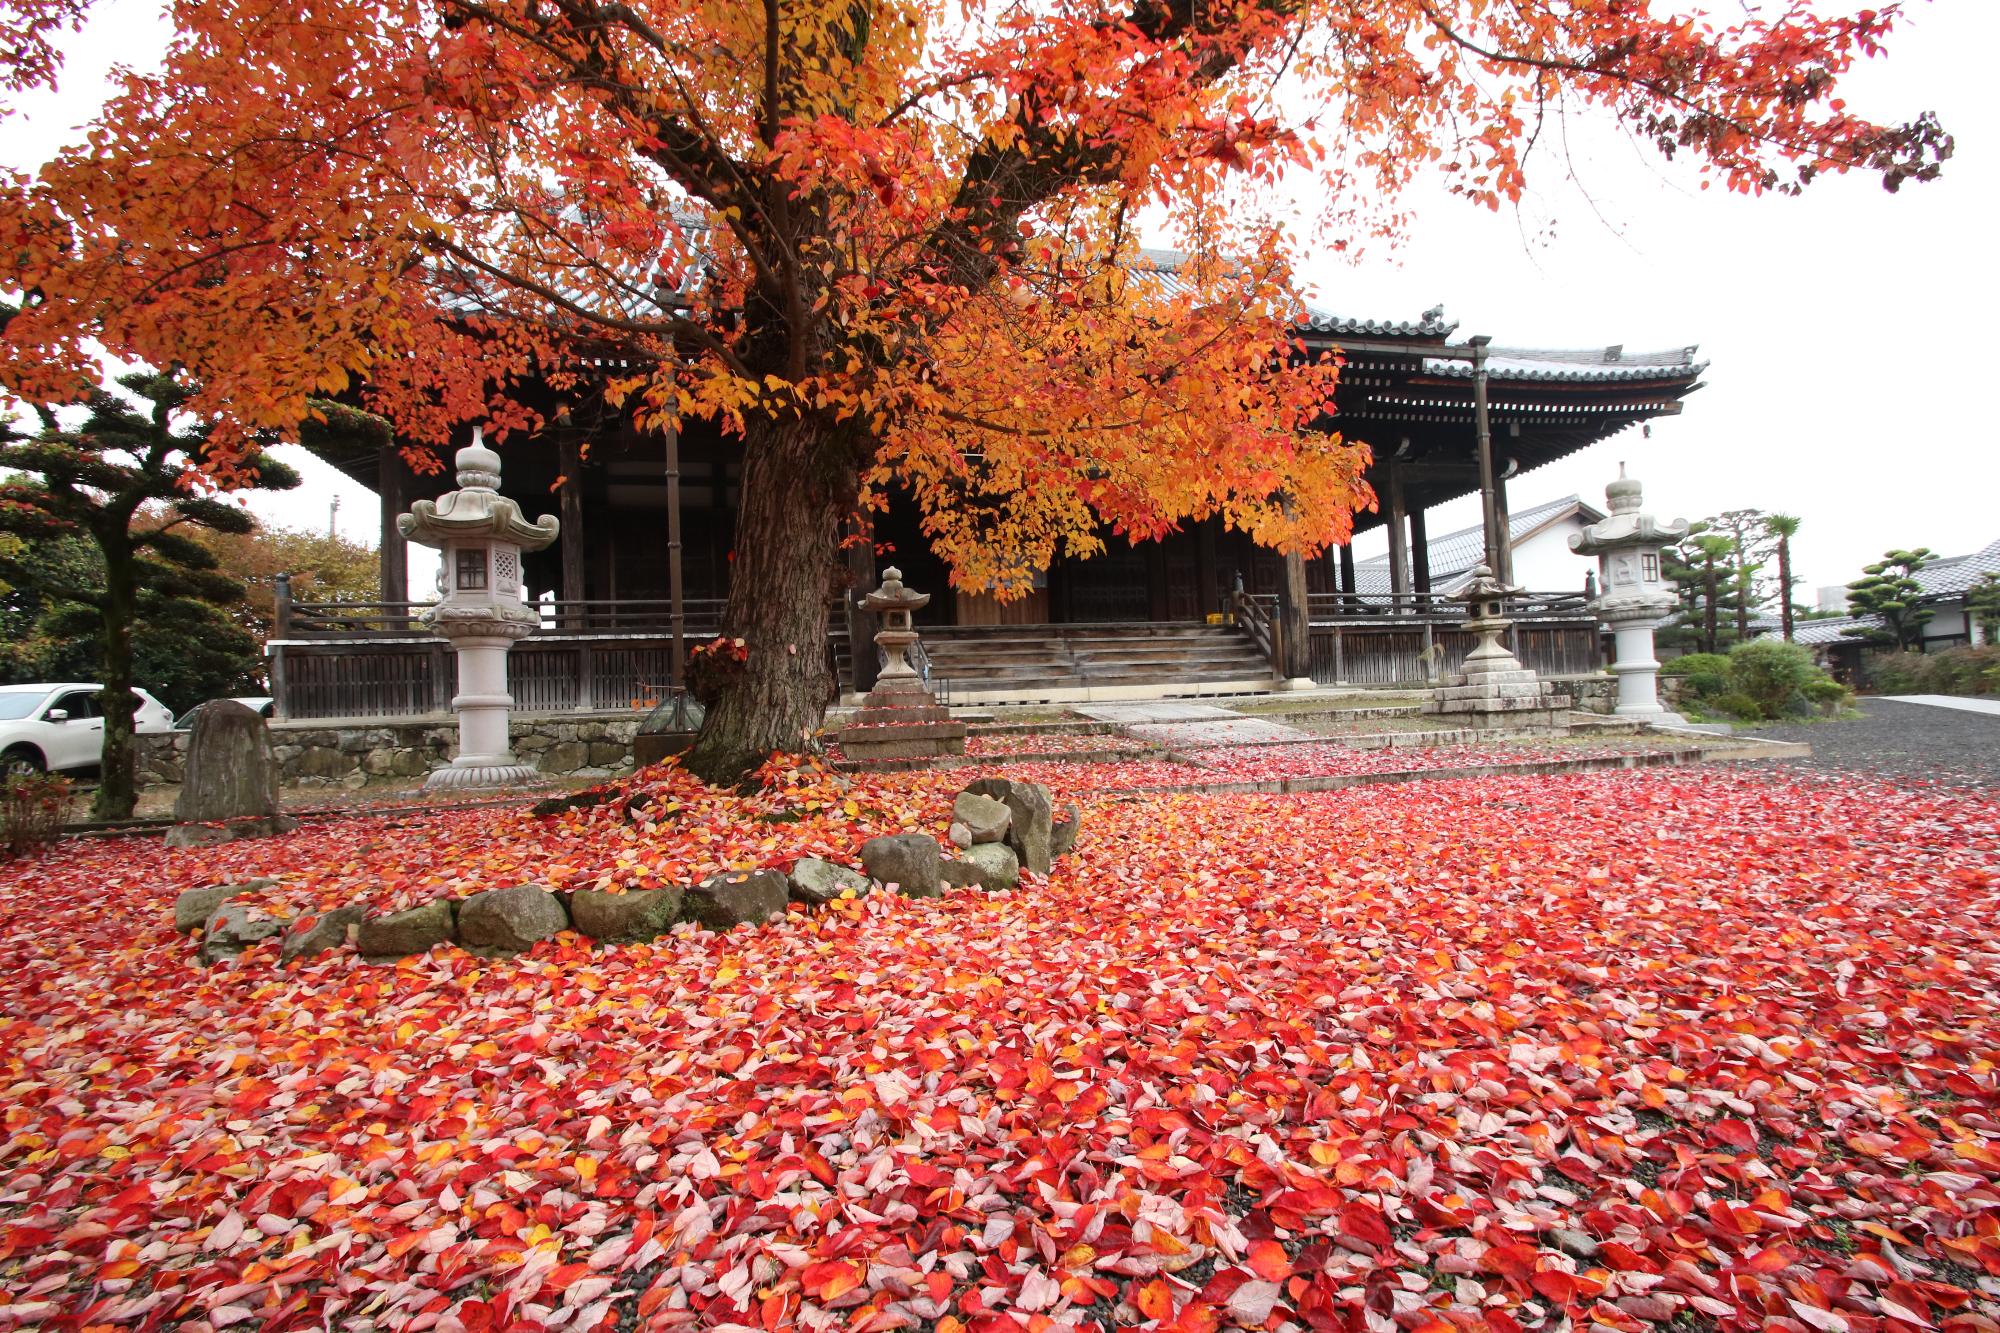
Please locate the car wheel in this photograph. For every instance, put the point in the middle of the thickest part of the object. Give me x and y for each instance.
(22, 761)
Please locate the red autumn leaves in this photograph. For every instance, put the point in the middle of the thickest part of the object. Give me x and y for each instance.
(1652, 1050)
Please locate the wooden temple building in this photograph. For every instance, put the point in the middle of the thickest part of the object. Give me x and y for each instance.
(1203, 610)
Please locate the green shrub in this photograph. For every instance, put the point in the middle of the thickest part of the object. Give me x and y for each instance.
(1696, 664)
(1739, 706)
(1960, 671)
(1707, 684)
(32, 809)
(1826, 694)
(1769, 672)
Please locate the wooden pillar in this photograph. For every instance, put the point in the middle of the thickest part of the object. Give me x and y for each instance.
(1503, 531)
(859, 557)
(1156, 581)
(1399, 537)
(1204, 565)
(1347, 579)
(394, 550)
(1420, 553)
(1293, 612)
(569, 455)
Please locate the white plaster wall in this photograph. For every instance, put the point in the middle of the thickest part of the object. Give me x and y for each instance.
(1544, 562)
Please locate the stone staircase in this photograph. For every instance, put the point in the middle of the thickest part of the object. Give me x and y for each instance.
(1056, 663)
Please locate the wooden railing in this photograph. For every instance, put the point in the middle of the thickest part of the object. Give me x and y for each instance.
(355, 619)
(1362, 640)
(377, 660)
(1258, 616)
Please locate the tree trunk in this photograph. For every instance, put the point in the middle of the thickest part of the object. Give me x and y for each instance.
(1709, 617)
(1785, 585)
(117, 790)
(798, 485)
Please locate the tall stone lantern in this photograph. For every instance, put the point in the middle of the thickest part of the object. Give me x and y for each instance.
(1633, 593)
(479, 611)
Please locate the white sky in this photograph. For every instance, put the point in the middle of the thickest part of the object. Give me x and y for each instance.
(1845, 329)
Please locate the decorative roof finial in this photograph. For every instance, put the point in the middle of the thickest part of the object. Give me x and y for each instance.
(1624, 493)
(478, 466)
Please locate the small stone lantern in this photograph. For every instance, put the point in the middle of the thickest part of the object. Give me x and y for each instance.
(900, 719)
(1493, 691)
(481, 535)
(1633, 593)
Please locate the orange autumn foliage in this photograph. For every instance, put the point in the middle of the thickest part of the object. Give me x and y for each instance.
(888, 242)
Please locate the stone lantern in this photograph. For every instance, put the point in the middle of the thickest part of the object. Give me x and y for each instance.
(900, 719)
(481, 535)
(1633, 593)
(1492, 691)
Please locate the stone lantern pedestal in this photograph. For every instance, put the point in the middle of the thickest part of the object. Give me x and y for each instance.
(900, 718)
(479, 611)
(1494, 692)
(1633, 593)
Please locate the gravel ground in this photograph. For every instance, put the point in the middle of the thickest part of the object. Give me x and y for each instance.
(1905, 742)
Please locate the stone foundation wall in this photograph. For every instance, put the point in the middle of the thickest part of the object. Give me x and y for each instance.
(313, 754)
(1599, 694)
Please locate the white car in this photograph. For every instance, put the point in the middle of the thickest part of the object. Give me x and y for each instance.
(44, 727)
(263, 705)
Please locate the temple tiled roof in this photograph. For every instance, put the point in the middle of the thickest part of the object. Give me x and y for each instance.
(1606, 365)
(1453, 555)
(1954, 574)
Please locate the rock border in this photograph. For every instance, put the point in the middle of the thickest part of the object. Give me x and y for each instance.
(504, 922)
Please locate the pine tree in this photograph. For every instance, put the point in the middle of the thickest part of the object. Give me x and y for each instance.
(1890, 593)
(107, 481)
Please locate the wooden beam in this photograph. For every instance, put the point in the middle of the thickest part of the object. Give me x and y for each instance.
(570, 456)
(1399, 537)
(1420, 552)
(394, 551)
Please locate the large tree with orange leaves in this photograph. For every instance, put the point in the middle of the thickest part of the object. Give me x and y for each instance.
(882, 240)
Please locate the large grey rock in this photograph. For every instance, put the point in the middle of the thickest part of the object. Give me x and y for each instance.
(310, 936)
(233, 927)
(996, 864)
(729, 900)
(1062, 834)
(817, 882)
(512, 919)
(1033, 818)
(986, 819)
(631, 917)
(959, 874)
(193, 908)
(231, 773)
(909, 861)
(402, 933)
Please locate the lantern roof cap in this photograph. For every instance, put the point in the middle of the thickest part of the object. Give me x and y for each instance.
(476, 509)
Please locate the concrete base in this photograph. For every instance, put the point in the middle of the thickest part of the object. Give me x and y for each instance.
(1297, 683)
(480, 776)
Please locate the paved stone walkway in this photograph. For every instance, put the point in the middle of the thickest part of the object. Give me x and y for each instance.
(1186, 726)
(1990, 707)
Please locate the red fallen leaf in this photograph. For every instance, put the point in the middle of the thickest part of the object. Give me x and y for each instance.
(831, 1279)
(1624, 1258)
(1773, 1259)
(1364, 1222)
(1155, 1300)
(1735, 1133)
(1268, 1260)
(1557, 1286)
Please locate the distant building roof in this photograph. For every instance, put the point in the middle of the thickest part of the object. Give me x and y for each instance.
(1953, 574)
(1453, 555)
(1821, 632)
